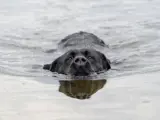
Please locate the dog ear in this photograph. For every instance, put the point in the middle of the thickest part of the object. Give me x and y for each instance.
(46, 66)
(106, 62)
(52, 67)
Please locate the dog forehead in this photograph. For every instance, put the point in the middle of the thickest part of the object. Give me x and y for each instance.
(72, 51)
(81, 51)
(89, 50)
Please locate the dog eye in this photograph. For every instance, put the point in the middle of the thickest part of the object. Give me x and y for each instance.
(85, 52)
(72, 53)
(70, 58)
(90, 57)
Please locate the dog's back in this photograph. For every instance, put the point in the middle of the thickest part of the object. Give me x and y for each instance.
(81, 40)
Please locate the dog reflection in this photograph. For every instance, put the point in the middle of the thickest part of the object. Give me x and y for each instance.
(81, 89)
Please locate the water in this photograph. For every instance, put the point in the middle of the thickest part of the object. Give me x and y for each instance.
(31, 29)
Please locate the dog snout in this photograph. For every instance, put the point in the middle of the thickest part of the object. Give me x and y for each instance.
(80, 61)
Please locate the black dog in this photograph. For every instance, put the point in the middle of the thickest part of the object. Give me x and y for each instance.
(80, 62)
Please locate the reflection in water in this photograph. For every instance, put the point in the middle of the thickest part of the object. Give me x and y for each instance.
(81, 89)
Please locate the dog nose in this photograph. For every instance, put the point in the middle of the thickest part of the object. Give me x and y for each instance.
(80, 61)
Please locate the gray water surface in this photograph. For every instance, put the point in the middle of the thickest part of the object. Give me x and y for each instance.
(31, 29)
(28, 29)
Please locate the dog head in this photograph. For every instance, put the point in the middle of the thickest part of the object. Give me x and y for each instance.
(79, 62)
